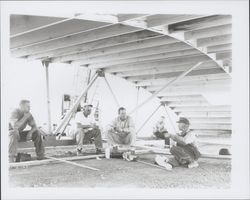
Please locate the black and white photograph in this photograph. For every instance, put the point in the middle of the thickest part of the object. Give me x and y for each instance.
(125, 99)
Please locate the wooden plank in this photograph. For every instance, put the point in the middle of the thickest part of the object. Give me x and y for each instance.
(203, 108)
(185, 79)
(174, 74)
(49, 161)
(211, 126)
(193, 113)
(125, 17)
(142, 59)
(163, 19)
(212, 133)
(208, 32)
(189, 60)
(79, 38)
(64, 29)
(102, 43)
(213, 20)
(208, 120)
(135, 53)
(152, 42)
(188, 103)
(22, 23)
(195, 84)
(72, 163)
(216, 40)
(224, 55)
(219, 48)
(183, 98)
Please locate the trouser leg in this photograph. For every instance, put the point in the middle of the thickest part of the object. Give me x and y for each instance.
(13, 142)
(113, 138)
(180, 155)
(129, 139)
(79, 138)
(38, 143)
(96, 133)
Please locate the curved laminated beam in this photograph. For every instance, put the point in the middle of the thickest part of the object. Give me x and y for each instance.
(185, 25)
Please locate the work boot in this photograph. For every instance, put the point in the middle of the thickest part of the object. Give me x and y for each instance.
(99, 150)
(40, 157)
(163, 161)
(78, 152)
(193, 164)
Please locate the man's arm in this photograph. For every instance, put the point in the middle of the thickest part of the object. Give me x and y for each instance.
(33, 126)
(14, 120)
(79, 125)
(176, 138)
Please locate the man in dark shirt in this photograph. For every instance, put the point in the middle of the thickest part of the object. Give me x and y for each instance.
(20, 118)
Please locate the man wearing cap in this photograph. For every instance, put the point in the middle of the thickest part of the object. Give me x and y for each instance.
(185, 152)
(87, 129)
(122, 129)
(19, 120)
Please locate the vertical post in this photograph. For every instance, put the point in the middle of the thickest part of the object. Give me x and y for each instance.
(46, 64)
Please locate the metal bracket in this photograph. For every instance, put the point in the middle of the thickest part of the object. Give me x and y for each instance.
(100, 72)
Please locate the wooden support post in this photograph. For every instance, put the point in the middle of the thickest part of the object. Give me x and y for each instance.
(110, 89)
(165, 86)
(74, 107)
(46, 64)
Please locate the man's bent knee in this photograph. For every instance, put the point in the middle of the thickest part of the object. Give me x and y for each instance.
(14, 134)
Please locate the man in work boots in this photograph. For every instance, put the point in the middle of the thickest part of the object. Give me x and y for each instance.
(87, 129)
(20, 118)
(122, 129)
(185, 152)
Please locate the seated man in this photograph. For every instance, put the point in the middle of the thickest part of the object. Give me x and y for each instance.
(122, 129)
(87, 129)
(20, 118)
(159, 130)
(185, 152)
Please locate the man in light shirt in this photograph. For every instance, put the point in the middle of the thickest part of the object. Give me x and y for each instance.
(159, 130)
(122, 129)
(185, 152)
(87, 129)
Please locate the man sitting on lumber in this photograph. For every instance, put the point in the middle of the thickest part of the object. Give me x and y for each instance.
(20, 118)
(185, 152)
(159, 130)
(122, 129)
(87, 129)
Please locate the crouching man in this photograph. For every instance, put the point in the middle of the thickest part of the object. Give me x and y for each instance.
(122, 130)
(20, 118)
(185, 152)
(159, 130)
(87, 129)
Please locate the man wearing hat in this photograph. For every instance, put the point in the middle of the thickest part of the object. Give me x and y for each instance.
(185, 152)
(87, 129)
